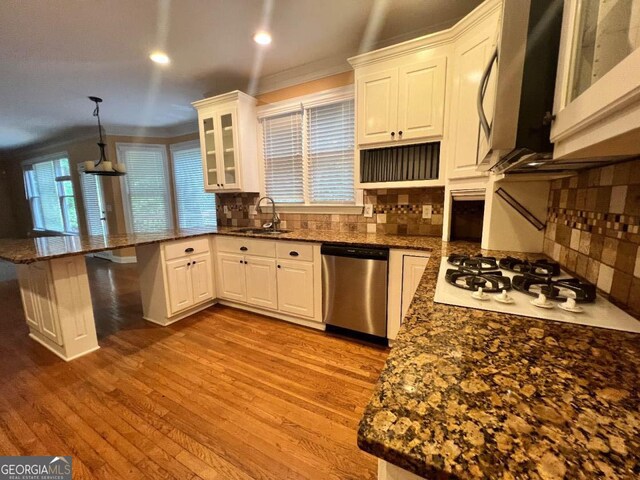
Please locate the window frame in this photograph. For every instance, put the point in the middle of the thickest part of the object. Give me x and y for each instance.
(27, 166)
(302, 104)
(124, 186)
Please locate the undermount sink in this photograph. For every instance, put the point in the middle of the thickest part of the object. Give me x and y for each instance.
(268, 231)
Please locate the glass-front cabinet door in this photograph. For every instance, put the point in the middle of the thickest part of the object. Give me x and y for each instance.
(211, 174)
(607, 31)
(229, 146)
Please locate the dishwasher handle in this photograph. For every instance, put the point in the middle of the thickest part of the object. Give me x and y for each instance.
(355, 252)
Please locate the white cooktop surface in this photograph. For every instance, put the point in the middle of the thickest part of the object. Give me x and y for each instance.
(602, 313)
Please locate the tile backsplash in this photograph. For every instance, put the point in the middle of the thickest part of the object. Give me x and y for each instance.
(593, 229)
(395, 211)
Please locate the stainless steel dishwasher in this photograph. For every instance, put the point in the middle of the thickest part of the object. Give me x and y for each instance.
(354, 288)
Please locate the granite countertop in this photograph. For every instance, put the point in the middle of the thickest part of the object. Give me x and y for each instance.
(469, 393)
(28, 250)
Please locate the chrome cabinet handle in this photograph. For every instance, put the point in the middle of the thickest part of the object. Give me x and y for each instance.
(482, 90)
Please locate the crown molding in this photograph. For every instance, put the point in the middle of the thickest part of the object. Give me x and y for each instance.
(431, 40)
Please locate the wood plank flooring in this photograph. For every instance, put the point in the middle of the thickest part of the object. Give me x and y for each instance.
(224, 394)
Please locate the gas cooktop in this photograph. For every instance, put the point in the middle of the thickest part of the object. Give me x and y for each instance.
(532, 288)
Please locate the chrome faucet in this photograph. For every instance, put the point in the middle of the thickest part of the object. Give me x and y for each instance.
(275, 219)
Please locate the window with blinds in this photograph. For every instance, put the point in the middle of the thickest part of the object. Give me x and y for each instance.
(93, 207)
(194, 206)
(330, 146)
(146, 187)
(283, 162)
(308, 155)
(50, 193)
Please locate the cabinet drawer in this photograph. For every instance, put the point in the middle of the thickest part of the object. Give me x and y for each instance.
(182, 248)
(295, 251)
(246, 246)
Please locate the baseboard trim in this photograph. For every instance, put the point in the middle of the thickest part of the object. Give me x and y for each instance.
(276, 315)
(182, 315)
(60, 354)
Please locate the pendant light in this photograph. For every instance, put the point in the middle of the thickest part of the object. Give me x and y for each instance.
(102, 166)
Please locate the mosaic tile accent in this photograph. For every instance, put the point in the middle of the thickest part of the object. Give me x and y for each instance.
(395, 212)
(593, 229)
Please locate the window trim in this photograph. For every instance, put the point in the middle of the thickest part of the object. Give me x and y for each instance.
(124, 186)
(325, 97)
(51, 157)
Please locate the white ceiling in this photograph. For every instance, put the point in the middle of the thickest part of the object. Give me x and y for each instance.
(54, 53)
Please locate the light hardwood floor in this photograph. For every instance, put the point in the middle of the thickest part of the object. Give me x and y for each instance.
(224, 394)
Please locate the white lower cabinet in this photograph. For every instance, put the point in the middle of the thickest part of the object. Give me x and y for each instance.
(295, 287)
(176, 279)
(231, 277)
(406, 268)
(179, 285)
(261, 282)
(202, 277)
(280, 276)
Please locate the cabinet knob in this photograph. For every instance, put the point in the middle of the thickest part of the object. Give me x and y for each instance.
(188, 264)
(393, 134)
(279, 266)
(293, 253)
(243, 249)
(241, 261)
(245, 262)
(400, 132)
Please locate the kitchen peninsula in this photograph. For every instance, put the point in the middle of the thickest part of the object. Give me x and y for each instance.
(55, 288)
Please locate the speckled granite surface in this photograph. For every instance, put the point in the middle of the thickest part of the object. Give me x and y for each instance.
(473, 394)
(28, 250)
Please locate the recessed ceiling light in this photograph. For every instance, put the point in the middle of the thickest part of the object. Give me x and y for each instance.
(160, 57)
(262, 38)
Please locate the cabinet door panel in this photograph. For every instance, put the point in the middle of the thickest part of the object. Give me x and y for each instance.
(412, 270)
(261, 282)
(179, 285)
(209, 143)
(201, 277)
(377, 106)
(472, 55)
(231, 277)
(228, 159)
(44, 302)
(295, 288)
(421, 98)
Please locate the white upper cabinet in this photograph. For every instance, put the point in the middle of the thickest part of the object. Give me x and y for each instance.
(473, 52)
(377, 106)
(402, 99)
(597, 98)
(421, 88)
(228, 139)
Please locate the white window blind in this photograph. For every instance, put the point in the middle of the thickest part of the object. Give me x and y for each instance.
(50, 192)
(146, 191)
(194, 206)
(93, 208)
(283, 162)
(330, 147)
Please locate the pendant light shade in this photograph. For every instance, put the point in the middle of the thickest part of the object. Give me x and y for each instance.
(102, 166)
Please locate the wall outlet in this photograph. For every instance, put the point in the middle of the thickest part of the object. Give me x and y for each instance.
(427, 211)
(368, 210)
(225, 209)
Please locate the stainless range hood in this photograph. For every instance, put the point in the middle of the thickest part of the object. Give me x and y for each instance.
(523, 160)
(521, 77)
